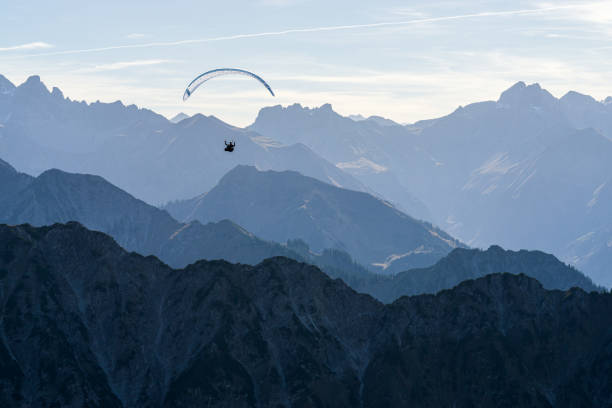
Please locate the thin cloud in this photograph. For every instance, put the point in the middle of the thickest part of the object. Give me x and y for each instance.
(316, 29)
(29, 46)
(123, 65)
(598, 12)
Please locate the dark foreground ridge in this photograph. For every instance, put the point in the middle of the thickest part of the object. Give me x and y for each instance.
(85, 323)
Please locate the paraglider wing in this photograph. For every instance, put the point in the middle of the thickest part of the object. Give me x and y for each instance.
(200, 79)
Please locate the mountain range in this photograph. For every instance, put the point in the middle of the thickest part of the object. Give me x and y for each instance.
(57, 196)
(526, 171)
(279, 206)
(85, 323)
(136, 149)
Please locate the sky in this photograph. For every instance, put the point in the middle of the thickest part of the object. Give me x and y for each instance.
(404, 60)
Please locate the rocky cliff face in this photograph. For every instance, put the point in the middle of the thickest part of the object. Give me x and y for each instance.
(84, 323)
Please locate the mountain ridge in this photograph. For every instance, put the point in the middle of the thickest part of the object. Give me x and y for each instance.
(286, 205)
(42, 129)
(280, 333)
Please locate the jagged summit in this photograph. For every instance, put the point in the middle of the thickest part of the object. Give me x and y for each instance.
(521, 94)
(294, 112)
(56, 92)
(33, 86)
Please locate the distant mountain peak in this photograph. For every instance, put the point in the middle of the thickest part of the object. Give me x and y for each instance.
(577, 97)
(379, 120)
(34, 81)
(521, 94)
(179, 117)
(56, 92)
(239, 172)
(205, 121)
(295, 109)
(33, 86)
(357, 118)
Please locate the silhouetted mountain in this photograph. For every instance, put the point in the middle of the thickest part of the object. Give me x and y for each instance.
(136, 149)
(285, 205)
(85, 323)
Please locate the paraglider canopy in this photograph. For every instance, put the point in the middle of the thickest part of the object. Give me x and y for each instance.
(200, 79)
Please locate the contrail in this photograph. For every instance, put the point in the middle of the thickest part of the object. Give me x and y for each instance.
(307, 30)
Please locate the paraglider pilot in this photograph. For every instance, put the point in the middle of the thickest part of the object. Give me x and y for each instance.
(229, 147)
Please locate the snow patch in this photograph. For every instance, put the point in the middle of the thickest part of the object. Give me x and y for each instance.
(450, 242)
(394, 257)
(266, 142)
(595, 197)
(334, 182)
(585, 237)
(362, 164)
(498, 164)
(489, 189)
(517, 192)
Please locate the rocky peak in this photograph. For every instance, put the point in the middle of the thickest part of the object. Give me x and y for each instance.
(33, 87)
(57, 93)
(579, 101)
(295, 113)
(532, 95)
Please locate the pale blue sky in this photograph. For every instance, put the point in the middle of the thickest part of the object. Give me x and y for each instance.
(431, 58)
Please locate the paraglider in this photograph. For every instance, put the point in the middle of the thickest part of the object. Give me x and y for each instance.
(200, 79)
